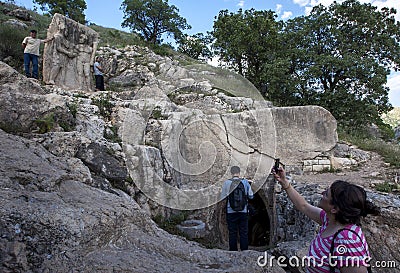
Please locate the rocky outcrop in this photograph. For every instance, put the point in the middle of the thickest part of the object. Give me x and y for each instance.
(175, 154)
(26, 107)
(21, 14)
(83, 172)
(52, 221)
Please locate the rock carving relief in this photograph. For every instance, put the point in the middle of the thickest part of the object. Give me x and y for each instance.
(69, 57)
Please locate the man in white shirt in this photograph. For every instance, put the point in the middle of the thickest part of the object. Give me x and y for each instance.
(31, 45)
(98, 74)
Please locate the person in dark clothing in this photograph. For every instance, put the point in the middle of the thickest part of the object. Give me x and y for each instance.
(237, 220)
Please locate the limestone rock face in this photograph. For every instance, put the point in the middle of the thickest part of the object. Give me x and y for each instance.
(51, 221)
(303, 132)
(99, 161)
(16, 23)
(78, 190)
(67, 59)
(26, 107)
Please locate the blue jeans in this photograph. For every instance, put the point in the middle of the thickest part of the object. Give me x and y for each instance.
(28, 58)
(238, 221)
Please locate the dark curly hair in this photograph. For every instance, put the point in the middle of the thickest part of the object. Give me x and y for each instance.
(351, 201)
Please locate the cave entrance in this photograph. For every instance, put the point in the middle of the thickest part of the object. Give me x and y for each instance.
(262, 218)
(259, 223)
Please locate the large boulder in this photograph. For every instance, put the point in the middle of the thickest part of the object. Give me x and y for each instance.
(196, 151)
(303, 132)
(26, 107)
(51, 221)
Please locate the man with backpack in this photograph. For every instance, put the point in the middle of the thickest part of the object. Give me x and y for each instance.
(237, 191)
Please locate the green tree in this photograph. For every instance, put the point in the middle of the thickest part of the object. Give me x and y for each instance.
(70, 8)
(9, 51)
(338, 57)
(246, 41)
(196, 46)
(152, 18)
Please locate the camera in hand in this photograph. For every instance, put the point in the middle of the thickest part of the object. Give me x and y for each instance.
(276, 165)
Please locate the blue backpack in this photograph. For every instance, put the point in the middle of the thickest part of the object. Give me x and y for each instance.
(237, 197)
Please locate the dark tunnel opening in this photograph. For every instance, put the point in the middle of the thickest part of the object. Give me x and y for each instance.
(259, 223)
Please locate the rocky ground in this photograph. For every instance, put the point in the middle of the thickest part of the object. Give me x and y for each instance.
(367, 174)
(67, 203)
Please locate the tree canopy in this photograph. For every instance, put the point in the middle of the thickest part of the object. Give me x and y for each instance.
(73, 9)
(246, 40)
(152, 18)
(196, 46)
(337, 57)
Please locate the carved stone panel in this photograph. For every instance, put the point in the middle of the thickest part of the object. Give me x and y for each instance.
(69, 57)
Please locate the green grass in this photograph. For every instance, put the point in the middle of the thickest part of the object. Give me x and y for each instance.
(230, 83)
(386, 187)
(117, 38)
(389, 151)
(169, 224)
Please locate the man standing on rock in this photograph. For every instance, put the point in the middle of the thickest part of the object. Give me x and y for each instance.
(237, 191)
(98, 74)
(31, 45)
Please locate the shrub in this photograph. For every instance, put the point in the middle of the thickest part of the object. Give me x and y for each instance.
(105, 105)
(162, 50)
(158, 114)
(169, 224)
(386, 187)
(73, 108)
(10, 46)
(46, 124)
(389, 151)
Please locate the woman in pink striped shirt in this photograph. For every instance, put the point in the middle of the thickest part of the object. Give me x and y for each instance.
(340, 245)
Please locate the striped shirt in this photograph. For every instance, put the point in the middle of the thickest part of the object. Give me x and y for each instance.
(349, 249)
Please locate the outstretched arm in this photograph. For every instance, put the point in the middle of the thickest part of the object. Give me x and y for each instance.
(297, 199)
(24, 42)
(48, 40)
